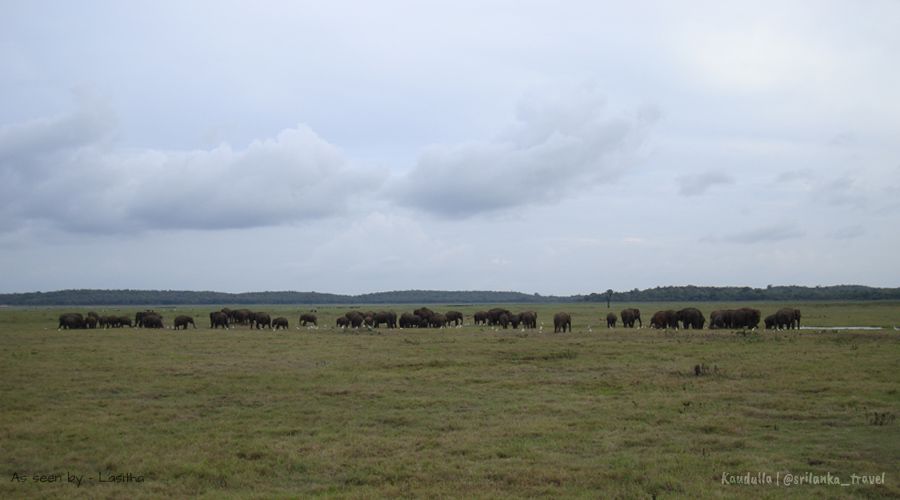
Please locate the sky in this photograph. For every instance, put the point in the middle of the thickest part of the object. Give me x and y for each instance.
(544, 147)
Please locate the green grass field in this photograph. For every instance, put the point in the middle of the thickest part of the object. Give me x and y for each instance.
(467, 412)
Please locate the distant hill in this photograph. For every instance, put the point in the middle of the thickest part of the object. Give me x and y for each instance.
(182, 297)
(746, 294)
(658, 294)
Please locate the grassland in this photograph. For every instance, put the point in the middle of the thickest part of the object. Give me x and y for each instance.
(468, 412)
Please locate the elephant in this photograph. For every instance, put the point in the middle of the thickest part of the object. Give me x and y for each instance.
(515, 320)
(91, 320)
(356, 318)
(437, 320)
(787, 318)
(454, 317)
(114, 321)
(629, 316)
(691, 317)
(139, 318)
(611, 320)
(481, 318)
(218, 319)
(664, 319)
(494, 315)
(342, 322)
(386, 318)
(181, 322)
(152, 320)
(409, 320)
(392, 319)
(242, 317)
(502, 320)
(71, 321)
(529, 319)
(745, 317)
(424, 315)
(280, 322)
(720, 318)
(307, 318)
(261, 319)
(424, 312)
(770, 322)
(562, 321)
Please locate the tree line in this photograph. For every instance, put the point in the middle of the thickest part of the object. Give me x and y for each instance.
(87, 297)
(746, 294)
(92, 297)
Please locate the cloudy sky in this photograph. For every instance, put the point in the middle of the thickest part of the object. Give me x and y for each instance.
(352, 147)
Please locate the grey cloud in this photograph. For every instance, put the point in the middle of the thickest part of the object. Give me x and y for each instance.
(891, 195)
(766, 234)
(842, 192)
(794, 175)
(843, 139)
(61, 171)
(870, 189)
(24, 143)
(695, 185)
(559, 144)
(848, 232)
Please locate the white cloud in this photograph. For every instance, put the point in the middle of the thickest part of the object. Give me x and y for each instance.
(752, 57)
(561, 143)
(64, 171)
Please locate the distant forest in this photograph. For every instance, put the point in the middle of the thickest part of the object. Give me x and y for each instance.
(659, 294)
(744, 294)
(181, 297)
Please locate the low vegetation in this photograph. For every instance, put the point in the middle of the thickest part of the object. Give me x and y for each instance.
(457, 412)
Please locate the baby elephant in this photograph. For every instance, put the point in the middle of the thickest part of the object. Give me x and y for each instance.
(611, 320)
(280, 322)
(181, 322)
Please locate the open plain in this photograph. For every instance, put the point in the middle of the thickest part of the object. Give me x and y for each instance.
(457, 412)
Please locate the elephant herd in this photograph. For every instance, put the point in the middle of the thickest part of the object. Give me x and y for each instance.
(786, 318)
(229, 318)
(504, 318)
(423, 317)
(71, 321)
(142, 319)
(692, 318)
